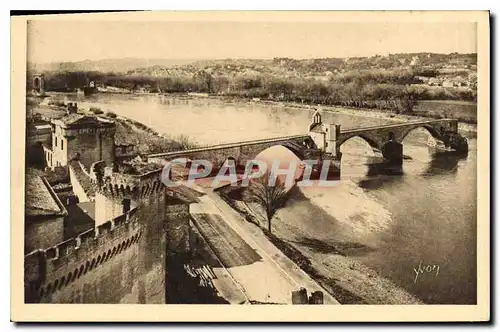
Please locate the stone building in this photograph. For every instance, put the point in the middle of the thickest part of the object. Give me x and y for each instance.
(122, 260)
(109, 244)
(39, 85)
(38, 136)
(44, 214)
(86, 138)
(324, 135)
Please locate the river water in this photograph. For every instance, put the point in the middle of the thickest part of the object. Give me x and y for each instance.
(424, 216)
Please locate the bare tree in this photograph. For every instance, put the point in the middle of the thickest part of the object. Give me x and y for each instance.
(271, 197)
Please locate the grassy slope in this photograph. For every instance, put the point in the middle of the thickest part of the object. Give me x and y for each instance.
(462, 110)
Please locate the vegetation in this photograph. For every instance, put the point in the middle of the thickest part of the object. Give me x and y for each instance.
(146, 140)
(96, 110)
(270, 197)
(111, 115)
(57, 103)
(394, 82)
(463, 111)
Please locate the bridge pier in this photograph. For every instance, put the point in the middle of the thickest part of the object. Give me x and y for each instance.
(330, 168)
(393, 152)
(456, 142)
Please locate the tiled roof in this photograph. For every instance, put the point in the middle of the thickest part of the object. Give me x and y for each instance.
(71, 118)
(317, 128)
(81, 119)
(40, 200)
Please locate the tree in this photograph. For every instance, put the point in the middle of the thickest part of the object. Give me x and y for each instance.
(270, 197)
(203, 81)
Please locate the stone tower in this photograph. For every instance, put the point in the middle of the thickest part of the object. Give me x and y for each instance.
(146, 194)
(39, 84)
(325, 136)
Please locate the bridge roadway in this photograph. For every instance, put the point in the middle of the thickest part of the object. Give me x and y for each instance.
(391, 125)
(227, 145)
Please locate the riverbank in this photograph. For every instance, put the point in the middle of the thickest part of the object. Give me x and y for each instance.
(352, 111)
(370, 113)
(314, 248)
(362, 112)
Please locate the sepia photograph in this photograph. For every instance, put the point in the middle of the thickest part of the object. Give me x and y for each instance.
(257, 160)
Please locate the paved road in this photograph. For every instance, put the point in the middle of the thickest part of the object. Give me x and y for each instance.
(225, 242)
(261, 271)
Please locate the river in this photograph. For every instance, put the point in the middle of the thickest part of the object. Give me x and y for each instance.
(424, 216)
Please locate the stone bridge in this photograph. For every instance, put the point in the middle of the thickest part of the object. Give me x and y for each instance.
(323, 141)
(301, 145)
(388, 139)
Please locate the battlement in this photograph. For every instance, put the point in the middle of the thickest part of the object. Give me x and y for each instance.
(132, 185)
(50, 269)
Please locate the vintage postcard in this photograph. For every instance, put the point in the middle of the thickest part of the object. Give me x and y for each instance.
(251, 166)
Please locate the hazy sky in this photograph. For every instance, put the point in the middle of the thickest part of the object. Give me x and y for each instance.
(79, 40)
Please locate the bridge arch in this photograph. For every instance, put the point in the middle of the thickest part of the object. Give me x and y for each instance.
(286, 157)
(296, 152)
(292, 147)
(371, 142)
(436, 132)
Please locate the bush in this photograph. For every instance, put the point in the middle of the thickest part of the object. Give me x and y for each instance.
(111, 115)
(57, 103)
(96, 110)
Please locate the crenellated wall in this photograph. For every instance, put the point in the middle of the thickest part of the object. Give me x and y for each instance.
(108, 207)
(122, 260)
(121, 185)
(50, 272)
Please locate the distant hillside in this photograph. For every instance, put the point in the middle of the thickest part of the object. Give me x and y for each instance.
(394, 82)
(318, 68)
(108, 65)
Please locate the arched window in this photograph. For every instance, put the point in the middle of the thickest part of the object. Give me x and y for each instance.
(68, 279)
(317, 117)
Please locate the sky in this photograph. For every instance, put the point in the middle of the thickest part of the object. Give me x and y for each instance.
(56, 41)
